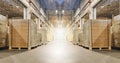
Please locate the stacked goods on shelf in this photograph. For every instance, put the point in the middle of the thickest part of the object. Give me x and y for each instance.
(22, 34)
(86, 34)
(43, 36)
(116, 33)
(70, 36)
(76, 36)
(3, 33)
(39, 37)
(96, 34)
(49, 36)
(80, 36)
(33, 33)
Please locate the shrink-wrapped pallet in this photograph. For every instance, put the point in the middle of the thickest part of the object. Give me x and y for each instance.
(116, 33)
(86, 34)
(33, 33)
(3, 33)
(76, 36)
(39, 36)
(80, 36)
(49, 36)
(43, 36)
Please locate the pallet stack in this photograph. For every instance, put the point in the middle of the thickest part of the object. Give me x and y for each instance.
(33, 33)
(96, 34)
(80, 37)
(3, 33)
(70, 36)
(76, 36)
(116, 31)
(22, 34)
(49, 36)
(43, 36)
(39, 37)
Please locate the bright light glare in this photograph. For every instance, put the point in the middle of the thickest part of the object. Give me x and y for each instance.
(58, 51)
(59, 33)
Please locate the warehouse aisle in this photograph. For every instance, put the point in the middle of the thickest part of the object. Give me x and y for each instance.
(59, 51)
(27, 28)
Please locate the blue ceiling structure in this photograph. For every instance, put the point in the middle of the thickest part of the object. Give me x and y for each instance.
(60, 1)
(60, 4)
(60, 8)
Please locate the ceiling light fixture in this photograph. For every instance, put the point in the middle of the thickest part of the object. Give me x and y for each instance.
(102, 7)
(56, 11)
(63, 11)
(60, 1)
(17, 6)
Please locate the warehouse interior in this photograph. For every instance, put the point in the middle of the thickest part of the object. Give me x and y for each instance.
(60, 31)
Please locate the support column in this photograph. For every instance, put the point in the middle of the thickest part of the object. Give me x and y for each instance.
(25, 13)
(36, 20)
(95, 13)
(28, 13)
(38, 23)
(91, 14)
(82, 22)
(29, 17)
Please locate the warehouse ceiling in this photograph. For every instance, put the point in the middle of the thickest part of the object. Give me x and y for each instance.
(108, 8)
(60, 11)
(66, 5)
(12, 8)
(60, 4)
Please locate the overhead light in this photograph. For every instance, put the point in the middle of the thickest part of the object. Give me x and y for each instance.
(63, 11)
(56, 11)
(17, 6)
(102, 6)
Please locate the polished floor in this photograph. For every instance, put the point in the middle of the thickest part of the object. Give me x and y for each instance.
(59, 51)
(115, 52)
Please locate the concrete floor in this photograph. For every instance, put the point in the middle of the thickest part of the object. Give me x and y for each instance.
(113, 53)
(57, 52)
(6, 53)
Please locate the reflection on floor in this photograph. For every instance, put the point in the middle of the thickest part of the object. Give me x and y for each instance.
(114, 52)
(6, 53)
(59, 51)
